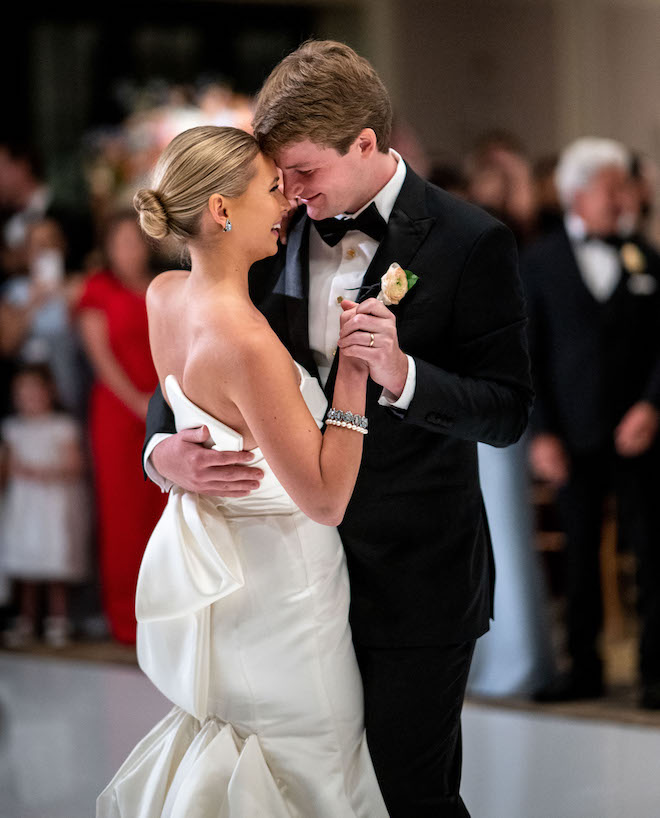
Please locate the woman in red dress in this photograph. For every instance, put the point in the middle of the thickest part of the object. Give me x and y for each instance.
(113, 325)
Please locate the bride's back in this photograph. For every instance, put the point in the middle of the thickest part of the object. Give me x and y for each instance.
(196, 332)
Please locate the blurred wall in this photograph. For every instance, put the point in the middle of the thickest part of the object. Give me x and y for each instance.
(550, 70)
(468, 67)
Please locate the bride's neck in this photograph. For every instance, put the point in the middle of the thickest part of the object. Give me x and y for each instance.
(224, 266)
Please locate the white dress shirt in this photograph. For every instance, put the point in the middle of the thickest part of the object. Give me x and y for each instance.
(333, 272)
(338, 271)
(598, 262)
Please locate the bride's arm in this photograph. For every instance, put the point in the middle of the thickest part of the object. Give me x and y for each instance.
(318, 471)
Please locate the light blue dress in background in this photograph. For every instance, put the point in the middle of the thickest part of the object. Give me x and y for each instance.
(515, 657)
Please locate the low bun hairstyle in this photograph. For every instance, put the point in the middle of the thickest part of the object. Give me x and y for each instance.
(153, 216)
(196, 164)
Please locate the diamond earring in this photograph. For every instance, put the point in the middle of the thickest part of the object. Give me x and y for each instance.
(227, 227)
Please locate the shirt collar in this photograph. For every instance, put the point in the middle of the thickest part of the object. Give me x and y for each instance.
(575, 227)
(388, 194)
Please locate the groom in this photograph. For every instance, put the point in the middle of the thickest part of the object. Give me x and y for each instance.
(448, 368)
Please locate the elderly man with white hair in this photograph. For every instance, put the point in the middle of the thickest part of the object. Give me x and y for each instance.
(594, 326)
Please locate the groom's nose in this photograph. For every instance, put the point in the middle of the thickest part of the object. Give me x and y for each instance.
(292, 188)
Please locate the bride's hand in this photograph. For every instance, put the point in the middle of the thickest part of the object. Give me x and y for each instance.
(349, 311)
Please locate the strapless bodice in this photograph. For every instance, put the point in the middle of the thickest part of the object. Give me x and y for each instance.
(270, 497)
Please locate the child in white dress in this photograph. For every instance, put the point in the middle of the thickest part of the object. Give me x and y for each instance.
(46, 510)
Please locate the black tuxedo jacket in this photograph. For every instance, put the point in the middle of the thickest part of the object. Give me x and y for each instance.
(415, 531)
(591, 361)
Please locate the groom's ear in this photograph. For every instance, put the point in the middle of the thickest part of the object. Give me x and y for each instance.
(217, 210)
(367, 142)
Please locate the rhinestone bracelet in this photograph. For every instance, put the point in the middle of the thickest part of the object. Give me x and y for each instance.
(358, 423)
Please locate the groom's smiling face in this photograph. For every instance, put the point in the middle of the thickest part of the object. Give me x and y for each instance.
(324, 180)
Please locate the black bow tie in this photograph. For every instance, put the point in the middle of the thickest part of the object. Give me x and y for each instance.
(613, 239)
(370, 222)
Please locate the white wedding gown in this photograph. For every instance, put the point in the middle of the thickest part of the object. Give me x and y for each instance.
(242, 608)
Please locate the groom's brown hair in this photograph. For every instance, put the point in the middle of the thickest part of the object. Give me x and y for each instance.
(325, 92)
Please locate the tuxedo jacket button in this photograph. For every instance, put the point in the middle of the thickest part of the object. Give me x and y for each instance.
(439, 419)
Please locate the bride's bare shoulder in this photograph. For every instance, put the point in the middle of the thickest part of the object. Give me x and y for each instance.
(237, 333)
(236, 322)
(164, 285)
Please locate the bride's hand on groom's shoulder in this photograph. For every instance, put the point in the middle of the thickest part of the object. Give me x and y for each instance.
(182, 459)
(368, 333)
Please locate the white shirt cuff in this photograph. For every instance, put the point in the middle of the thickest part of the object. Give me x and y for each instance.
(405, 398)
(152, 474)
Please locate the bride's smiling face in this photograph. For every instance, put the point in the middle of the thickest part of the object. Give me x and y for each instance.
(256, 214)
(322, 179)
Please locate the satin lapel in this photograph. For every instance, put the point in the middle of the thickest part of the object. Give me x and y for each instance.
(402, 240)
(294, 286)
(408, 226)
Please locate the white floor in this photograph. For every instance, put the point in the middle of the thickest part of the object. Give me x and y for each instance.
(65, 727)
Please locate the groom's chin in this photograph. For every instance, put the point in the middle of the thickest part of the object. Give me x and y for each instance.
(318, 210)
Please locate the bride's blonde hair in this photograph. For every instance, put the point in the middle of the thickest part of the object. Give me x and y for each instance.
(196, 164)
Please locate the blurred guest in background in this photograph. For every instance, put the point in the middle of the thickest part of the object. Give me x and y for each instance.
(500, 180)
(516, 656)
(549, 215)
(406, 142)
(113, 323)
(23, 191)
(46, 512)
(450, 178)
(219, 105)
(35, 312)
(637, 198)
(30, 198)
(594, 305)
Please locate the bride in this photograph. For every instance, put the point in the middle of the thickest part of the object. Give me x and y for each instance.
(242, 602)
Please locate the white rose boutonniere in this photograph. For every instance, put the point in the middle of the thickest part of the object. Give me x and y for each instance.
(392, 286)
(395, 284)
(632, 258)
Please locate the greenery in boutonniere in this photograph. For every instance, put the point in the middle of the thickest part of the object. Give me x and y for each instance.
(392, 286)
(395, 284)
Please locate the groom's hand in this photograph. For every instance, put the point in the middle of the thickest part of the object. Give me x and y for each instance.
(370, 334)
(182, 459)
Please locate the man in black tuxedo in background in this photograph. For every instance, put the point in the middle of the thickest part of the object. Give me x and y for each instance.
(449, 367)
(594, 303)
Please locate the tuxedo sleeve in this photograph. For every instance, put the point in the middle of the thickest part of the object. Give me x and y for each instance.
(543, 419)
(487, 394)
(160, 420)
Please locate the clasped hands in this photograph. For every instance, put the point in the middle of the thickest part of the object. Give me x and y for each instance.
(368, 333)
(185, 462)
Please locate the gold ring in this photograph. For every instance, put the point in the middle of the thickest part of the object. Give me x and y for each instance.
(371, 343)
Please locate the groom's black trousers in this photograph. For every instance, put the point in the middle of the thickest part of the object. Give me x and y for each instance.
(413, 701)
